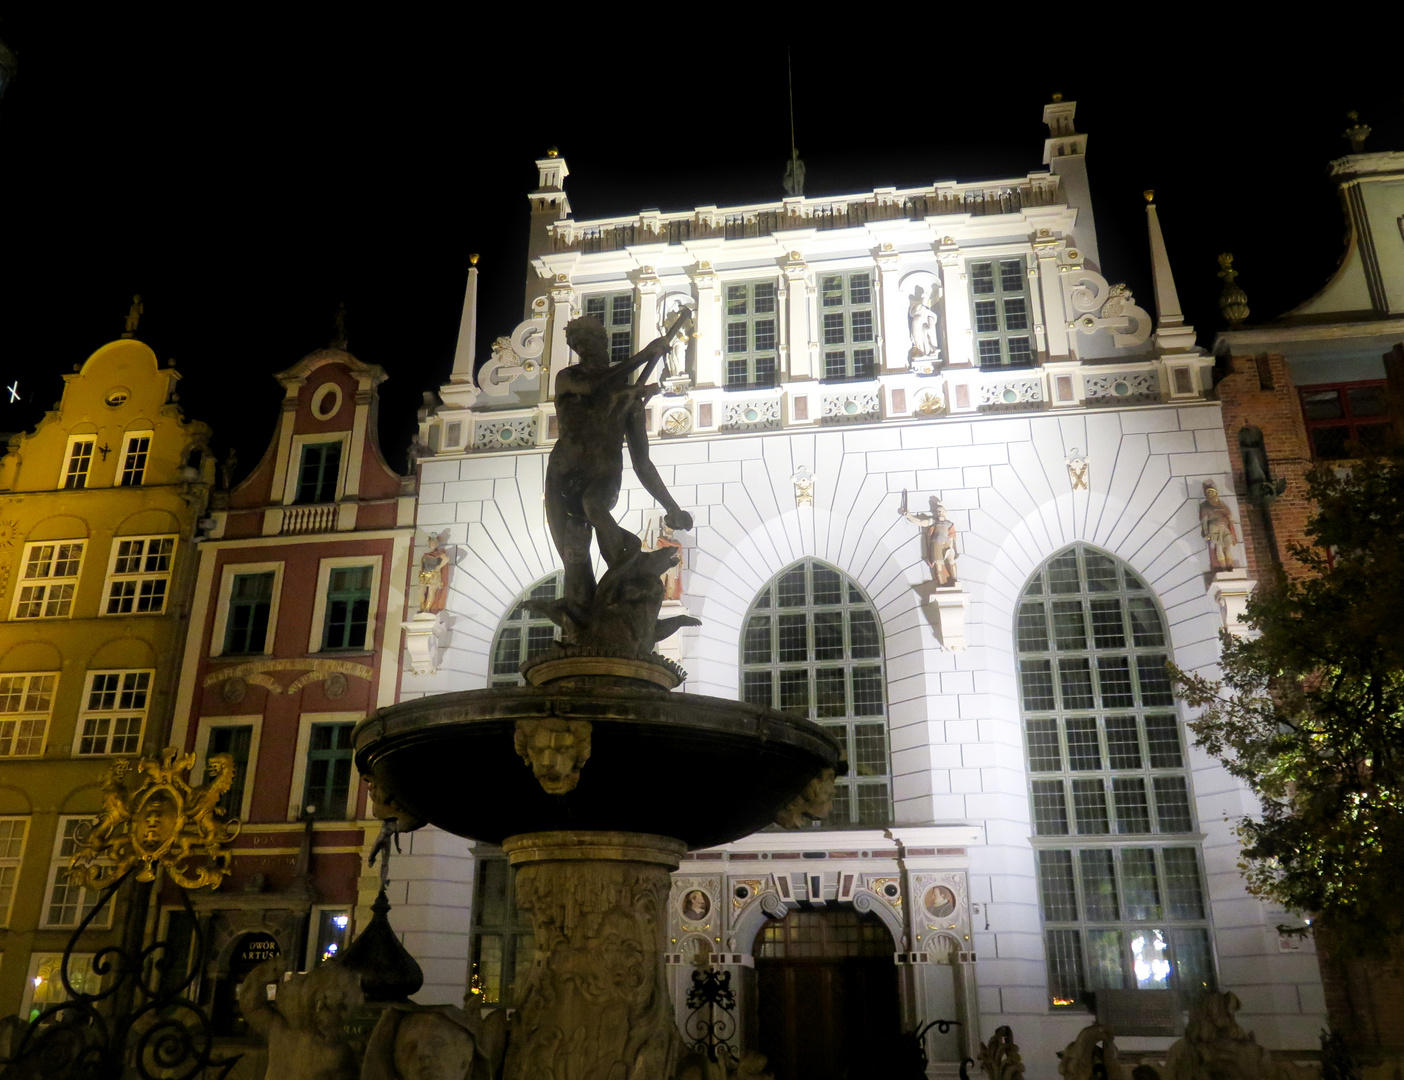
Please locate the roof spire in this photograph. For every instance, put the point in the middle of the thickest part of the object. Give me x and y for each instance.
(1233, 301)
(1171, 333)
(466, 351)
(1357, 133)
(794, 170)
(338, 338)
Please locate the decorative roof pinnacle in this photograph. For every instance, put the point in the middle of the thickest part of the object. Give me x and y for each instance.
(1357, 133)
(1233, 301)
(472, 260)
(1057, 97)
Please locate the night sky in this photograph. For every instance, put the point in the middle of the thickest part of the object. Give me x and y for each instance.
(245, 173)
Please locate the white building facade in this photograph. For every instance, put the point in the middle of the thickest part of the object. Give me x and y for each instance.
(1026, 835)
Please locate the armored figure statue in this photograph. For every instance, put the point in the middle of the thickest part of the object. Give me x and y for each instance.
(938, 534)
(1217, 526)
(598, 410)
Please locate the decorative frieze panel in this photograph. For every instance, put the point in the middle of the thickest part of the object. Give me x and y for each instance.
(862, 407)
(1122, 388)
(761, 415)
(509, 433)
(1011, 394)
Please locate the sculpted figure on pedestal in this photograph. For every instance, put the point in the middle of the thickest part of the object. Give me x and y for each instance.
(1217, 526)
(937, 539)
(598, 410)
(303, 1024)
(435, 569)
(922, 322)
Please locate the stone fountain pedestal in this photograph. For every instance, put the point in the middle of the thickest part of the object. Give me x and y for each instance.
(595, 784)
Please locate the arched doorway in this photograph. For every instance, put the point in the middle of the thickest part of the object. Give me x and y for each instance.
(248, 952)
(826, 989)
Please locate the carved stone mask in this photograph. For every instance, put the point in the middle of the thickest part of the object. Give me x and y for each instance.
(555, 749)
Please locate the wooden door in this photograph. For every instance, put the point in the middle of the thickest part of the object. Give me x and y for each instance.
(826, 991)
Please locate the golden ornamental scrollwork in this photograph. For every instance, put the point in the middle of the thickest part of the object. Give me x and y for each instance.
(152, 817)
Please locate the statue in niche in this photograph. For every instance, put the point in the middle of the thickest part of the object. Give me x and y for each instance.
(922, 322)
(304, 1024)
(435, 569)
(598, 410)
(938, 532)
(435, 1042)
(1217, 526)
(676, 359)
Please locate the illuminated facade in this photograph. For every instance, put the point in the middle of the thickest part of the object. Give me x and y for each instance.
(99, 510)
(949, 485)
(294, 636)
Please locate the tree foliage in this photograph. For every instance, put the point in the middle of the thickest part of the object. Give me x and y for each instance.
(1310, 713)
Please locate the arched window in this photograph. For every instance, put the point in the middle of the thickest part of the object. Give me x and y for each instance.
(522, 635)
(811, 646)
(1114, 827)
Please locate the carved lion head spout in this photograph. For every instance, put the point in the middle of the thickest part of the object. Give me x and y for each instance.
(555, 749)
(811, 804)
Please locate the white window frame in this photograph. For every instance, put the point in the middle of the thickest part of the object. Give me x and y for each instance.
(610, 326)
(220, 633)
(85, 713)
(304, 740)
(290, 482)
(49, 583)
(128, 452)
(73, 441)
(14, 863)
(58, 864)
(314, 922)
(202, 750)
(141, 576)
(21, 715)
(319, 609)
(80, 966)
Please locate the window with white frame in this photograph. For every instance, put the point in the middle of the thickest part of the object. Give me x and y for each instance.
(502, 937)
(44, 988)
(848, 325)
(327, 779)
(250, 606)
(49, 579)
(524, 634)
(135, 451)
(140, 575)
(1118, 853)
(114, 712)
(68, 902)
(319, 472)
(1000, 310)
(812, 647)
(348, 600)
(26, 702)
(616, 314)
(79, 462)
(752, 318)
(13, 831)
(333, 933)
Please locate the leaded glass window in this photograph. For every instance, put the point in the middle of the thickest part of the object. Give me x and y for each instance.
(1001, 313)
(503, 944)
(848, 324)
(1119, 866)
(615, 312)
(752, 319)
(522, 634)
(812, 647)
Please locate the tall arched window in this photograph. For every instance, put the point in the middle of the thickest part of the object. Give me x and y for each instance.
(811, 646)
(1114, 827)
(522, 635)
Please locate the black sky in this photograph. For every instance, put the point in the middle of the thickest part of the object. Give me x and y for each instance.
(244, 174)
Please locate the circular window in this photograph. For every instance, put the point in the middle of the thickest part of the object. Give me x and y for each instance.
(326, 401)
(1120, 388)
(751, 415)
(850, 407)
(1010, 395)
(118, 395)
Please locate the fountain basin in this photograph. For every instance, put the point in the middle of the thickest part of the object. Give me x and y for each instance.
(704, 770)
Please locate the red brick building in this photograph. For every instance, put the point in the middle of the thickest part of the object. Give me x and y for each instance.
(1325, 383)
(294, 637)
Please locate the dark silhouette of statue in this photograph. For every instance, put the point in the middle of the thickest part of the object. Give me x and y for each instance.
(598, 411)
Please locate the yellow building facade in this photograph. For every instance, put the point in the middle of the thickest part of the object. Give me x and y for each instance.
(99, 510)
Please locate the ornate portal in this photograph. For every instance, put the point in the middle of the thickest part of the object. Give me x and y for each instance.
(158, 821)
